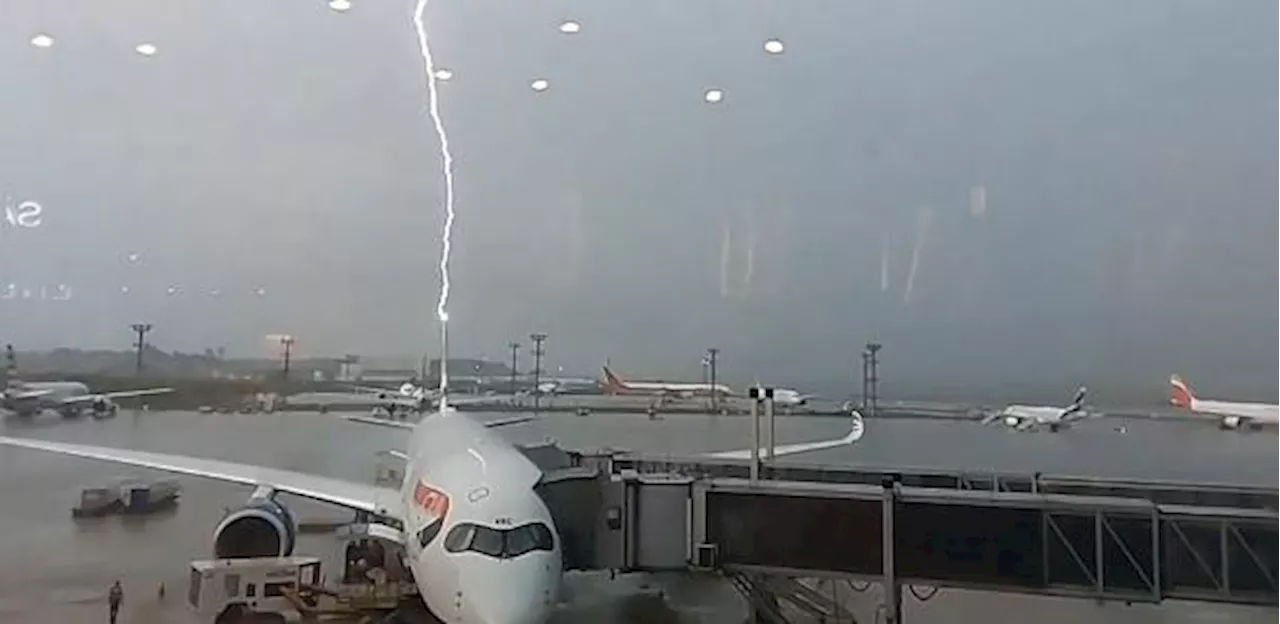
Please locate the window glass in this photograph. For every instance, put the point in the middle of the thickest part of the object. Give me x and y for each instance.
(429, 532)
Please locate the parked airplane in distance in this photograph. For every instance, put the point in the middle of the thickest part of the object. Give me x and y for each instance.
(1026, 417)
(69, 398)
(613, 384)
(479, 539)
(1232, 414)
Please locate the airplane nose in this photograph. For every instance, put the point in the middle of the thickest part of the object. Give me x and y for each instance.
(523, 596)
(523, 606)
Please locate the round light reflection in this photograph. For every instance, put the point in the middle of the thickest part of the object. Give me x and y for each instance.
(570, 27)
(42, 41)
(713, 96)
(340, 5)
(145, 49)
(443, 74)
(774, 46)
(539, 85)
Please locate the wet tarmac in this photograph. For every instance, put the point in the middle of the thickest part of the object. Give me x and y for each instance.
(58, 570)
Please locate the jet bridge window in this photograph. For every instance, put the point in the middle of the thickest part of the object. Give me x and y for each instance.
(499, 543)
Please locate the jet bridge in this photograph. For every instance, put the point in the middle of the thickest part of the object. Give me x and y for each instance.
(1100, 547)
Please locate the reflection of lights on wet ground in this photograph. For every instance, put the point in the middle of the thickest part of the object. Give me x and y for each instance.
(713, 96)
(145, 49)
(444, 74)
(539, 85)
(42, 41)
(570, 27)
(340, 5)
(773, 46)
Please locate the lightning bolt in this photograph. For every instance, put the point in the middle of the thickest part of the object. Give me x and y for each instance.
(446, 159)
(433, 108)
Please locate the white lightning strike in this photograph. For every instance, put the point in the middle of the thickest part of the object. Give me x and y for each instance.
(446, 236)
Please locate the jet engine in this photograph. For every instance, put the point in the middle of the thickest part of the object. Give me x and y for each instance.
(1230, 422)
(262, 528)
(102, 407)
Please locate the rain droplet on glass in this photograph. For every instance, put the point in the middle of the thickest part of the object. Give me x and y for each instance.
(145, 49)
(774, 46)
(539, 85)
(570, 27)
(133, 257)
(713, 96)
(42, 41)
(444, 74)
(340, 5)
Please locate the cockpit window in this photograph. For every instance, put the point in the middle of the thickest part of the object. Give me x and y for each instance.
(499, 543)
(429, 532)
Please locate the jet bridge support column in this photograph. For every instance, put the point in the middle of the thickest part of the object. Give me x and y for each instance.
(770, 440)
(892, 589)
(755, 434)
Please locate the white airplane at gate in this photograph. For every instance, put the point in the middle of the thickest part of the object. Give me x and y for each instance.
(480, 541)
(1233, 414)
(1025, 417)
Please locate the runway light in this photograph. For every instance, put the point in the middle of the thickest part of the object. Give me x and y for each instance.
(539, 85)
(714, 96)
(773, 46)
(340, 6)
(42, 41)
(570, 27)
(444, 74)
(146, 49)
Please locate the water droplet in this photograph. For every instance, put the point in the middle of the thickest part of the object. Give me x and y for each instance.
(340, 5)
(146, 49)
(133, 257)
(539, 85)
(773, 46)
(444, 74)
(714, 96)
(42, 41)
(124, 290)
(172, 290)
(570, 27)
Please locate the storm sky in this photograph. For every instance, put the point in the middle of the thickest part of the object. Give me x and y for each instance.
(1000, 192)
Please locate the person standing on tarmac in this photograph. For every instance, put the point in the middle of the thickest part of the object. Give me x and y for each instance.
(114, 598)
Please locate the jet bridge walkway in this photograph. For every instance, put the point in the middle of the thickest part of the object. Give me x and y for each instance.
(1091, 538)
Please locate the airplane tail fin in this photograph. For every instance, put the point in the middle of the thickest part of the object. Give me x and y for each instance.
(1076, 408)
(612, 382)
(1180, 393)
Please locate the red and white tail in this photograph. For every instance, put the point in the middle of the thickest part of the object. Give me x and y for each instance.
(613, 383)
(1180, 393)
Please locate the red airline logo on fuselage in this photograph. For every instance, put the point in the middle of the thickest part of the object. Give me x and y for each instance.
(434, 501)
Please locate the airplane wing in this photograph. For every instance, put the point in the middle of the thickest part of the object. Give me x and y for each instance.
(855, 433)
(358, 496)
(24, 394)
(122, 394)
(402, 424)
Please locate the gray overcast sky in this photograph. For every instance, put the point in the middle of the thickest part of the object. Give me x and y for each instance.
(1087, 188)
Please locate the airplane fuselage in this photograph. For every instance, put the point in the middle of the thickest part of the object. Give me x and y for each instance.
(53, 392)
(1260, 413)
(481, 543)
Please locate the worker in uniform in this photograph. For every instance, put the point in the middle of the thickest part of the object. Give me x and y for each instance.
(114, 598)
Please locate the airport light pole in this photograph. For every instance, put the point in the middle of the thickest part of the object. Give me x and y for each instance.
(873, 348)
(515, 351)
(537, 339)
(287, 343)
(712, 354)
(141, 330)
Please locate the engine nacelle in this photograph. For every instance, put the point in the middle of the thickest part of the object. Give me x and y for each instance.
(262, 528)
(1231, 422)
(103, 407)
